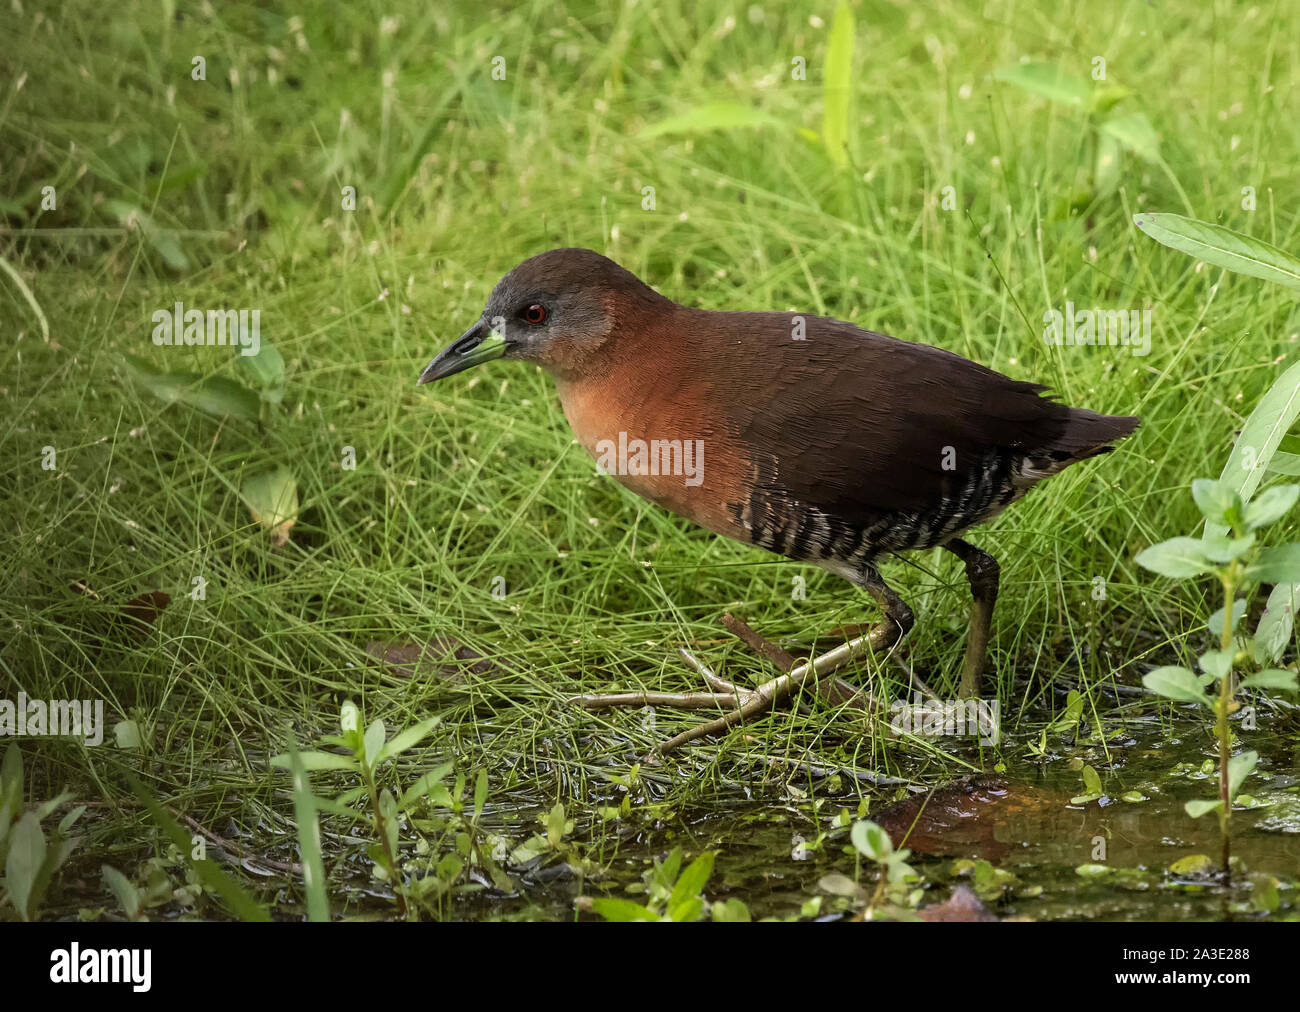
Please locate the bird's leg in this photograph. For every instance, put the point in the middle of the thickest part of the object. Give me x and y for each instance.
(896, 623)
(723, 694)
(982, 571)
(835, 691)
(746, 703)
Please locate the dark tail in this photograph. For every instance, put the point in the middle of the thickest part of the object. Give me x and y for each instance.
(1087, 434)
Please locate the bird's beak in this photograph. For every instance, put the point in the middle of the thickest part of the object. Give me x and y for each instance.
(478, 344)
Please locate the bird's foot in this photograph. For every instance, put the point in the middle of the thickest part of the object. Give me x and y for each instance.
(743, 704)
(722, 693)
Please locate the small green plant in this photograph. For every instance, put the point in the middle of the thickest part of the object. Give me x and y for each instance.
(897, 891)
(368, 752)
(270, 495)
(154, 884)
(1092, 789)
(1240, 565)
(29, 859)
(670, 896)
(896, 875)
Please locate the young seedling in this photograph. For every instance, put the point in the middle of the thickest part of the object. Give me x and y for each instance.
(669, 896)
(1240, 565)
(371, 749)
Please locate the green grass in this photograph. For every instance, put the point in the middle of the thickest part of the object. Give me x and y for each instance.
(459, 177)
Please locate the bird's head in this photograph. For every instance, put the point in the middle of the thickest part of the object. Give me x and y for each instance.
(554, 309)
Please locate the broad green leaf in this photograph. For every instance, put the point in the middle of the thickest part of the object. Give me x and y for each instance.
(1106, 98)
(1222, 247)
(272, 499)
(215, 395)
(1285, 463)
(838, 86)
(121, 887)
(870, 840)
(335, 807)
(686, 912)
(1194, 864)
(423, 786)
(1198, 808)
(126, 733)
(1217, 501)
(1273, 634)
(161, 239)
(66, 823)
(1270, 505)
(666, 873)
(405, 740)
(1218, 662)
(1239, 768)
(713, 116)
(613, 909)
(1215, 623)
(555, 826)
(374, 741)
(899, 870)
(1177, 557)
(23, 865)
(732, 910)
(1260, 436)
(46, 808)
(1135, 132)
(1224, 549)
(692, 880)
(1091, 781)
(1071, 715)
(1174, 682)
(316, 761)
(1264, 895)
(1279, 564)
(266, 368)
(1047, 80)
(1270, 678)
(838, 885)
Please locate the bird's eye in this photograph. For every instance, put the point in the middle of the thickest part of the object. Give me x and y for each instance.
(535, 314)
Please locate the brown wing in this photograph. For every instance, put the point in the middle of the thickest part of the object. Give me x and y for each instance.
(861, 425)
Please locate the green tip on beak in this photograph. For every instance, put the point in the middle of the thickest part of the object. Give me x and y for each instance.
(478, 344)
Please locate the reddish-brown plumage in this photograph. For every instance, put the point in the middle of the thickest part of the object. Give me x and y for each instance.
(821, 441)
(629, 386)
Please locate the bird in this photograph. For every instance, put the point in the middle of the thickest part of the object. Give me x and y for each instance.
(800, 434)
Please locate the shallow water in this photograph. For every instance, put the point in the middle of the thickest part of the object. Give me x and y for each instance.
(778, 831)
(1057, 857)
